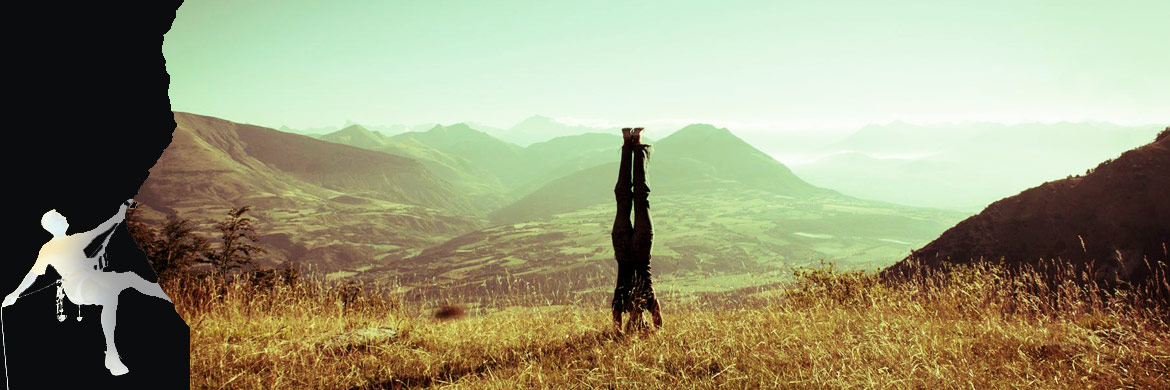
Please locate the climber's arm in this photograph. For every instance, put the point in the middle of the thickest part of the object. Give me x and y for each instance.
(38, 269)
(104, 227)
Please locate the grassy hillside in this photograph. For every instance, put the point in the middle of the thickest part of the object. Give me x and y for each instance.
(971, 328)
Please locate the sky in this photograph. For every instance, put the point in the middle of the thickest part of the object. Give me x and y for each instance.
(772, 65)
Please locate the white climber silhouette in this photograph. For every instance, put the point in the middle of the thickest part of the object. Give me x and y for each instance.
(83, 280)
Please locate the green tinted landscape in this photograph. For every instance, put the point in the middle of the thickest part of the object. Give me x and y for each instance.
(437, 218)
(900, 194)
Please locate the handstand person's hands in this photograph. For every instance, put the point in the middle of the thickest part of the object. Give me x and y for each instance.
(10, 299)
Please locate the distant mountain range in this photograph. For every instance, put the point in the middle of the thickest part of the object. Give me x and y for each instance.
(540, 129)
(534, 129)
(964, 167)
(1117, 216)
(442, 151)
(487, 170)
(385, 130)
(695, 158)
(995, 139)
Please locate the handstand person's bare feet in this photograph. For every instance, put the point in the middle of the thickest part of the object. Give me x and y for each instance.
(636, 135)
(626, 135)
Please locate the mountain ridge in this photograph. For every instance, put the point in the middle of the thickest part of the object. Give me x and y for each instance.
(304, 192)
(694, 158)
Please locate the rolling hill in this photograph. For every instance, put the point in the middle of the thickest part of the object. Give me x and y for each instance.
(306, 193)
(562, 156)
(481, 188)
(500, 158)
(356, 135)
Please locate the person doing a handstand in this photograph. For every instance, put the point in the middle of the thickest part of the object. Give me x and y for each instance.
(632, 243)
(82, 279)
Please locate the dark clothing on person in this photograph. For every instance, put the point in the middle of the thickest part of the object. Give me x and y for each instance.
(632, 242)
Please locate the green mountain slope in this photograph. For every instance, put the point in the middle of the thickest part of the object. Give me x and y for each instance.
(500, 158)
(481, 188)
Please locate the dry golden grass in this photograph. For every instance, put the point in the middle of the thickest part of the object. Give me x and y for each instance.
(973, 328)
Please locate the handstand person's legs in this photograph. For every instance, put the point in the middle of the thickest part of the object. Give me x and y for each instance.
(623, 182)
(622, 232)
(643, 228)
(643, 236)
(622, 190)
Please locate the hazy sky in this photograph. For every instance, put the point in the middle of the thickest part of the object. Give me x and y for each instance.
(739, 64)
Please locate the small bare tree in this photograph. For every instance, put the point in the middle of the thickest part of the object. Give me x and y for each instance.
(143, 235)
(170, 250)
(238, 246)
(177, 247)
